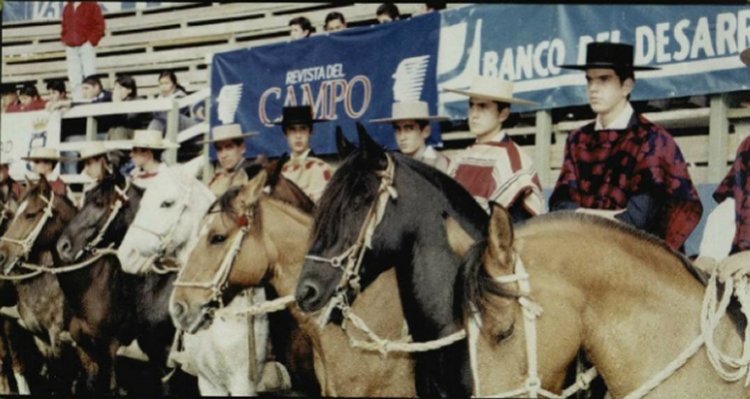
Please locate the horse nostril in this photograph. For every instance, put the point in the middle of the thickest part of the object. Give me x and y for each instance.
(178, 309)
(63, 246)
(307, 294)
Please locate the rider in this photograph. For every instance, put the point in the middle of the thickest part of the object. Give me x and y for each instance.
(44, 160)
(94, 156)
(229, 142)
(147, 147)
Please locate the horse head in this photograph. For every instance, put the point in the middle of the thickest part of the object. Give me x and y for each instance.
(167, 218)
(108, 209)
(233, 234)
(39, 220)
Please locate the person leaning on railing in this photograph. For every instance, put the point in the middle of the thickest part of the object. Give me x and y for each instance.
(121, 126)
(170, 88)
(28, 100)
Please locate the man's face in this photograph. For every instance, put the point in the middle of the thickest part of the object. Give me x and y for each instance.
(120, 93)
(24, 99)
(90, 91)
(484, 117)
(141, 156)
(229, 153)
(335, 25)
(409, 137)
(383, 18)
(94, 168)
(42, 167)
(604, 89)
(298, 137)
(296, 32)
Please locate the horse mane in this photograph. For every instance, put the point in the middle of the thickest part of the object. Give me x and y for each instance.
(355, 184)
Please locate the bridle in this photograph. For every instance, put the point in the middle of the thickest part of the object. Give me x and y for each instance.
(218, 284)
(350, 261)
(166, 237)
(122, 199)
(28, 242)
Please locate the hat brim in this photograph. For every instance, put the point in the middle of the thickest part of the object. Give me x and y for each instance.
(584, 67)
(31, 159)
(242, 136)
(509, 100)
(165, 146)
(282, 123)
(407, 118)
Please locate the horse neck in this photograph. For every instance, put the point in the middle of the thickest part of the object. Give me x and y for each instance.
(624, 293)
(124, 219)
(287, 231)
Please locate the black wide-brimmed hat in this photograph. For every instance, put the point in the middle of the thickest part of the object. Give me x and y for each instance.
(609, 55)
(301, 114)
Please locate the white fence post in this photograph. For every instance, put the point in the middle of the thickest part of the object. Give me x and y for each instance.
(542, 146)
(718, 138)
(173, 121)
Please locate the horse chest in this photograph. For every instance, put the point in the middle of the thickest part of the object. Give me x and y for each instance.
(40, 304)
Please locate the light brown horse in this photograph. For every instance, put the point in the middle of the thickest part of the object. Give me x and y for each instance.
(272, 253)
(625, 297)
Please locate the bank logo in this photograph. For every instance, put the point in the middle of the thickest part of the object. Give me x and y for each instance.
(228, 101)
(409, 78)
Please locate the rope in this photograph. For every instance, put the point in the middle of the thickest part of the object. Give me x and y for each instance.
(98, 254)
(734, 272)
(384, 346)
(275, 305)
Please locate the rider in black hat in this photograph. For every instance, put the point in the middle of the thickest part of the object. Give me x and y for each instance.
(622, 165)
(309, 173)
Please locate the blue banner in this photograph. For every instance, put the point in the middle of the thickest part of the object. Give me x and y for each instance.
(696, 47)
(352, 75)
(33, 11)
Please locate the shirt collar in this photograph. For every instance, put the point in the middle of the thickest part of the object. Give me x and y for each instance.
(301, 157)
(620, 123)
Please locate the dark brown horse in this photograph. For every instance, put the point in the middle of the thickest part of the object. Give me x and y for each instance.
(115, 307)
(30, 237)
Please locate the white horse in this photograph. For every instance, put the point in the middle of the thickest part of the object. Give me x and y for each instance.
(166, 226)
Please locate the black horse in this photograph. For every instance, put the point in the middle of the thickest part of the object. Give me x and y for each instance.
(411, 237)
(118, 307)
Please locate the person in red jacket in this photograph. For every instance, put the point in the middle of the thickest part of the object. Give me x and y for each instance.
(82, 28)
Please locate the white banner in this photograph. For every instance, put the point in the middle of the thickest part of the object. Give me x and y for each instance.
(22, 131)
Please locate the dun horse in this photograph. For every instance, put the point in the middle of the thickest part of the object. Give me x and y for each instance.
(628, 300)
(271, 252)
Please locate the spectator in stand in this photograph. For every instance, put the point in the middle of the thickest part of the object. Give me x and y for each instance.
(335, 22)
(432, 6)
(10, 98)
(387, 12)
(300, 28)
(58, 97)
(28, 100)
(82, 28)
(93, 92)
(121, 126)
(170, 88)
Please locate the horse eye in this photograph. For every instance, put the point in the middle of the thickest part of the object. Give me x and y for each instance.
(217, 238)
(167, 204)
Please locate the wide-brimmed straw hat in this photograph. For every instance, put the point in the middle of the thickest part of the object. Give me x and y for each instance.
(609, 55)
(43, 154)
(410, 110)
(227, 132)
(494, 89)
(297, 115)
(92, 149)
(151, 139)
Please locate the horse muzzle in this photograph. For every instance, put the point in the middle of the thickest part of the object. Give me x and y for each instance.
(190, 320)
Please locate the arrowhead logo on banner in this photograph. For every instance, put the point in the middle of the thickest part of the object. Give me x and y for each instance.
(409, 78)
(228, 101)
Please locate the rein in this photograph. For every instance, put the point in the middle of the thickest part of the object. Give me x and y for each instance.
(122, 198)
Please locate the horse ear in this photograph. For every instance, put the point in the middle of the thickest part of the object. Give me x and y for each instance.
(499, 256)
(372, 152)
(344, 146)
(253, 189)
(275, 172)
